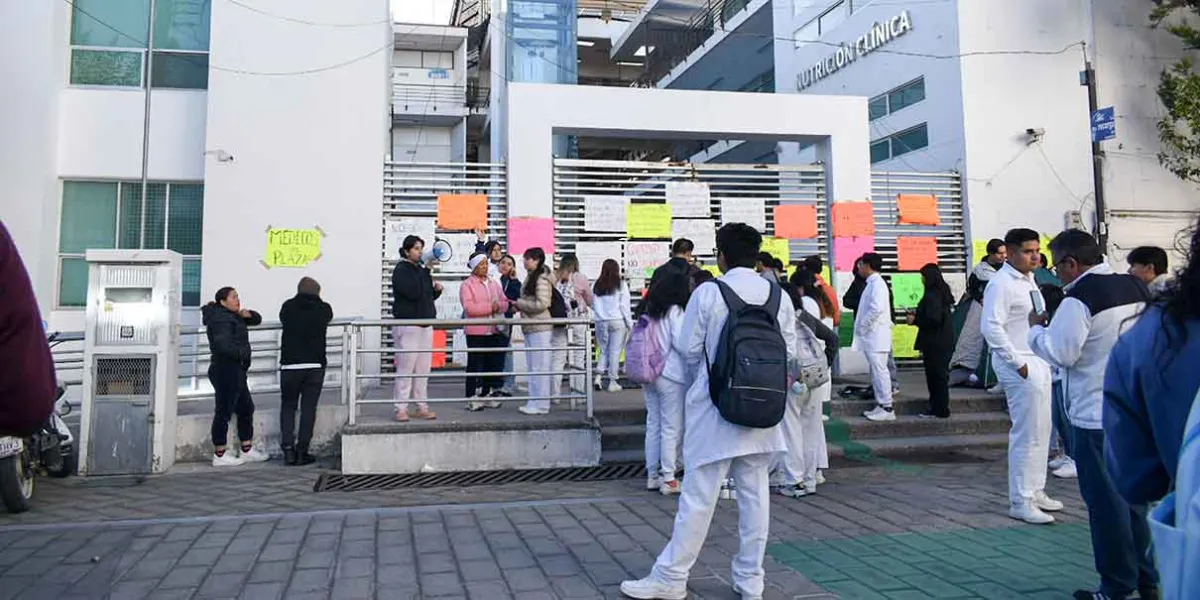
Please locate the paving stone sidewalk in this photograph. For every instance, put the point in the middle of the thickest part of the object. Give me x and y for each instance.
(196, 536)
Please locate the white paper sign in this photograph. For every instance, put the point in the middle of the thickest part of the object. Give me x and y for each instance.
(463, 245)
(593, 254)
(751, 211)
(702, 232)
(396, 230)
(605, 213)
(449, 305)
(641, 258)
(689, 199)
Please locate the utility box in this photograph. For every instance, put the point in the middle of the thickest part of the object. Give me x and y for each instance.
(131, 362)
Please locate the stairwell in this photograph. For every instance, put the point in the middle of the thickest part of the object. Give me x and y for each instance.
(977, 422)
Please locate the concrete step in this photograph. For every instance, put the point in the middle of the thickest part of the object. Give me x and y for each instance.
(622, 437)
(911, 406)
(923, 447)
(859, 428)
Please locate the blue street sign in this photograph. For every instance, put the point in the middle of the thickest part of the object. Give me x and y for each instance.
(1104, 124)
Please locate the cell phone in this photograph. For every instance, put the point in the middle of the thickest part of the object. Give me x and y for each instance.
(1039, 303)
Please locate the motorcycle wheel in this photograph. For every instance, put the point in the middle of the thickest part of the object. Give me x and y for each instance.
(16, 484)
(67, 464)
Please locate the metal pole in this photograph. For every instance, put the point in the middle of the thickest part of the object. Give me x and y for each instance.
(146, 121)
(1089, 75)
(587, 383)
(345, 362)
(352, 374)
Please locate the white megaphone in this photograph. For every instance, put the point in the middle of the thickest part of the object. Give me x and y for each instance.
(439, 251)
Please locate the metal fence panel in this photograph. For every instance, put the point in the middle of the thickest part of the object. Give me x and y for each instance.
(953, 247)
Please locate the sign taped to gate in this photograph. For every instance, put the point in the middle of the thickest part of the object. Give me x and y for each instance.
(751, 211)
(395, 230)
(649, 221)
(605, 213)
(702, 233)
(641, 258)
(690, 199)
(592, 255)
(462, 211)
(292, 247)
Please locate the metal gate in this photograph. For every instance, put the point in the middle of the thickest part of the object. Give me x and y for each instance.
(730, 186)
(952, 244)
(410, 205)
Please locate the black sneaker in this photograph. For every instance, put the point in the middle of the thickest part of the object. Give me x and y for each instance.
(1090, 595)
(1148, 593)
(305, 459)
(289, 456)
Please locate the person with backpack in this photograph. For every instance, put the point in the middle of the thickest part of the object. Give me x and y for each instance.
(1098, 307)
(660, 320)
(614, 320)
(1152, 424)
(537, 296)
(567, 341)
(797, 471)
(735, 347)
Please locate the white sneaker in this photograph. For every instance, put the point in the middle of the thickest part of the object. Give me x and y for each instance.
(652, 483)
(1058, 461)
(525, 410)
(995, 389)
(670, 488)
(1066, 471)
(598, 383)
(880, 413)
(1046, 503)
(824, 418)
(227, 460)
(254, 455)
(745, 595)
(820, 477)
(614, 387)
(652, 589)
(1029, 513)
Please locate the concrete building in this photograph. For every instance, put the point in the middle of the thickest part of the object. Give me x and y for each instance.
(991, 90)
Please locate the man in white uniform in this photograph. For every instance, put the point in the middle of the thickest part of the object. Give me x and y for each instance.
(873, 334)
(714, 448)
(1007, 302)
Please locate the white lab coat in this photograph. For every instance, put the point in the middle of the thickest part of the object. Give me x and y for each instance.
(708, 437)
(803, 429)
(664, 407)
(873, 325)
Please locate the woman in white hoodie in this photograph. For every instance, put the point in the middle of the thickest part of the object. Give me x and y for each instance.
(666, 303)
(614, 320)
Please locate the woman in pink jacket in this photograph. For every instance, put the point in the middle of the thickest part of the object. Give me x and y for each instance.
(482, 299)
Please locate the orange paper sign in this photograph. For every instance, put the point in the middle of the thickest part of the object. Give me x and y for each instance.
(918, 209)
(916, 252)
(462, 211)
(796, 221)
(439, 341)
(853, 219)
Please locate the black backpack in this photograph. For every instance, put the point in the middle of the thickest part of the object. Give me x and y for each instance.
(558, 306)
(748, 378)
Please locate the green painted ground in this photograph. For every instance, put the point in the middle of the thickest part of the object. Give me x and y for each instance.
(1007, 563)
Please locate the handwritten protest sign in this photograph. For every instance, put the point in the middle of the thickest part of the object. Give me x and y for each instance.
(796, 221)
(530, 232)
(904, 340)
(648, 221)
(853, 219)
(605, 213)
(751, 211)
(592, 255)
(292, 247)
(641, 258)
(689, 199)
(396, 230)
(847, 251)
(462, 211)
(702, 232)
(907, 289)
(778, 248)
(916, 252)
(918, 209)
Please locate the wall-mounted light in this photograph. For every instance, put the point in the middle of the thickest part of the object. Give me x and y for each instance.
(625, 63)
(220, 155)
(585, 43)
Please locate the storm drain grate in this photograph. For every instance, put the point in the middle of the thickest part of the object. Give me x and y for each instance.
(336, 482)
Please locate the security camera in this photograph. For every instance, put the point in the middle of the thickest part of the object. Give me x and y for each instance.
(1036, 132)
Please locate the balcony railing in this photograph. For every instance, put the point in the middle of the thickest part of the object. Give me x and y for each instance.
(420, 95)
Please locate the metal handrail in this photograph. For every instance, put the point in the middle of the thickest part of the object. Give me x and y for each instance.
(425, 93)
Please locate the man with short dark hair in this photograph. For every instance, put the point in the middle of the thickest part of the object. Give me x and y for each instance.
(1149, 263)
(305, 319)
(1007, 302)
(681, 261)
(714, 448)
(1098, 306)
(873, 334)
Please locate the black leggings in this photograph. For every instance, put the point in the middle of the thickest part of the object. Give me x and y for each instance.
(484, 362)
(937, 379)
(232, 398)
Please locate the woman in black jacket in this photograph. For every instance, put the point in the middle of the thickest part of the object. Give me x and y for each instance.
(935, 338)
(413, 293)
(225, 323)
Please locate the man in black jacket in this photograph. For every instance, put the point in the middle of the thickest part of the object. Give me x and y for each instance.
(302, 360)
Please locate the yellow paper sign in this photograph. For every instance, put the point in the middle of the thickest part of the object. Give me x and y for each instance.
(827, 275)
(1045, 244)
(649, 221)
(777, 248)
(292, 247)
(714, 269)
(978, 251)
(904, 338)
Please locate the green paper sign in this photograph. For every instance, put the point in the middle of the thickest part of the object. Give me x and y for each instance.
(907, 289)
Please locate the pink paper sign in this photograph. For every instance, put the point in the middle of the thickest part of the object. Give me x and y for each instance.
(847, 251)
(530, 232)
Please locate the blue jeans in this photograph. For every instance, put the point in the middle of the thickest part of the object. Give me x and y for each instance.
(1120, 534)
(1060, 436)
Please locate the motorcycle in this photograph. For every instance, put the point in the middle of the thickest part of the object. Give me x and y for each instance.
(51, 450)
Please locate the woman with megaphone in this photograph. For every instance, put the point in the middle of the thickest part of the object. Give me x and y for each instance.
(413, 293)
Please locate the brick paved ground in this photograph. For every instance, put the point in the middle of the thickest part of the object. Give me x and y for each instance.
(879, 531)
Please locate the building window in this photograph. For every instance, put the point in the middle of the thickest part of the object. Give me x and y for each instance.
(836, 15)
(109, 43)
(764, 82)
(104, 215)
(899, 144)
(897, 99)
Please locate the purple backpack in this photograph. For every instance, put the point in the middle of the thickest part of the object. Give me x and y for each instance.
(644, 356)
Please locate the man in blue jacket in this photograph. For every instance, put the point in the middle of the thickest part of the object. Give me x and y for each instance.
(1098, 306)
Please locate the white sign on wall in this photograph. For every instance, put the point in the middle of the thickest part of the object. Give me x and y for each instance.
(689, 199)
(702, 232)
(751, 211)
(593, 254)
(396, 230)
(879, 35)
(449, 305)
(605, 213)
(641, 258)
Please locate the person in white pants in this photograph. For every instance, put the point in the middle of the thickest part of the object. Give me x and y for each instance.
(614, 321)
(665, 303)
(534, 303)
(1007, 302)
(714, 448)
(873, 334)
